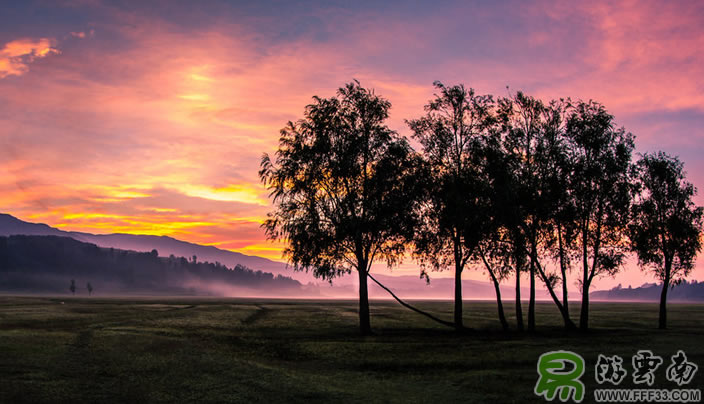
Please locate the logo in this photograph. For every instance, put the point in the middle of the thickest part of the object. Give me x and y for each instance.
(559, 375)
(681, 371)
(560, 371)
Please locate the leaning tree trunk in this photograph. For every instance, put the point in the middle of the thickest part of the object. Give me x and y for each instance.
(563, 309)
(497, 289)
(365, 327)
(499, 304)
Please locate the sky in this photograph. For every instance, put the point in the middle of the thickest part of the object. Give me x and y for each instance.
(152, 117)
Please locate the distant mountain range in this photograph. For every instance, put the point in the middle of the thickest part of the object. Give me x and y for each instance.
(10, 225)
(684, 292)
(410, 287)
(49, 264)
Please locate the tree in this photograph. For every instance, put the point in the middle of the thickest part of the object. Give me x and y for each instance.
(521, 121)
(549, 217)
(504, 242)
(600, 183)
(666, 226)
(343, 187)
(90, 288)
(560, 229)
(455, 208)
(72, 288)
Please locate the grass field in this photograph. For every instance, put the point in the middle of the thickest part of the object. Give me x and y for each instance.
(217, 350)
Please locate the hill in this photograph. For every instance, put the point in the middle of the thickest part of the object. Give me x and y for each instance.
(166, 246)
(47, 264)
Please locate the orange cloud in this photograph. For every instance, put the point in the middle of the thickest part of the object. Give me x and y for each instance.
(161, 131)
(16, 55)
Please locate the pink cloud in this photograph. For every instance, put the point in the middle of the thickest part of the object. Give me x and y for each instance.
(162, 130)
(15, 56)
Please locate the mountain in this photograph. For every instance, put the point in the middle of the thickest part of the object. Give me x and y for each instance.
(684, 292)
(165, 246)
(49, 264)
(408, 287)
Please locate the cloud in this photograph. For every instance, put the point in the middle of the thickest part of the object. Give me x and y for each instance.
(158, 123)
(16, 55)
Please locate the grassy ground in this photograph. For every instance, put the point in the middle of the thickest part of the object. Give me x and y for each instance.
(207, 350)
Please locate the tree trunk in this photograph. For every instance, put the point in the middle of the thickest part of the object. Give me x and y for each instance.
(565, 300)
(663, 306)
(584, 310)
(563, 271)
(662, 321)
(499, 304)
(563, 309)
(458, 298)
(531, 302)
(497, 289)
(408, 306)
(365, 327)
(519, 310)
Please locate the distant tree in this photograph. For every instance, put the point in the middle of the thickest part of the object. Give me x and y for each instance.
(90, 288)
(72, 288)
(154, 253)
(666, 227)
(601, 161)
(456, 201)
(342, 183)
(195, 259)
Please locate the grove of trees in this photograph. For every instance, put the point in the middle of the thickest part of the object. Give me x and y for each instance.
(513, 185)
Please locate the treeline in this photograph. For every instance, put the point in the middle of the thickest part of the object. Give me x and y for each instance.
(514, 185)
(49, 264)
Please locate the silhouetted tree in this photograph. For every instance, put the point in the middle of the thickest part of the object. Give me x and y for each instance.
(455, 196)
(559, 203)
(72, 288)
(343, 188)
(547, 219)
(521, 122)
(500, 167)
(666, 227)
(90, 288)
(601, 158)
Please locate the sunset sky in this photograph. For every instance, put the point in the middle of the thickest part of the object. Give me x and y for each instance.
(152, 117)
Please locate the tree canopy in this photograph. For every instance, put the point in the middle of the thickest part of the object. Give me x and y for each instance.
(666, 228)
(343, 186)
